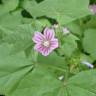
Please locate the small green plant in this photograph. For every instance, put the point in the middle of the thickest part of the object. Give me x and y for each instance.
(47, 48)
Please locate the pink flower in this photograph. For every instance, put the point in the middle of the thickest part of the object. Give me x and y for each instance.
(93, 8)
(45, 43)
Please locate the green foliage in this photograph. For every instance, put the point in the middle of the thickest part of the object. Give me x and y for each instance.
(24, 71)
(7, 20)
(70, 45)
(63, 11)
(8, 6)
(89, 42)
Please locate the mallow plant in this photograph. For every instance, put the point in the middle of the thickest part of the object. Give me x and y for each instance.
(47, 47)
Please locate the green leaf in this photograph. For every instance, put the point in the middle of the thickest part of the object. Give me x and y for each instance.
(89, 42)
(13, 61)
(59, 62)
(40, 82)
(75, 28)
(63, 11)
(80, 86)
(8, 6)
(91, 23)
(18, 78)
(12, 69)
(9, 80)
(20, 37)
(70, 45)
(7, 20)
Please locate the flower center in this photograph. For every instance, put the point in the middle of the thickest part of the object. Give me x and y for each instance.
(46, 43)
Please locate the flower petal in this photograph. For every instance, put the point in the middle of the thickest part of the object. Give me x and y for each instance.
(38, 37)
(54, 43)
(49, 33)
(93, 8)
(37, 47)
(41, 49)
(46, 52)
